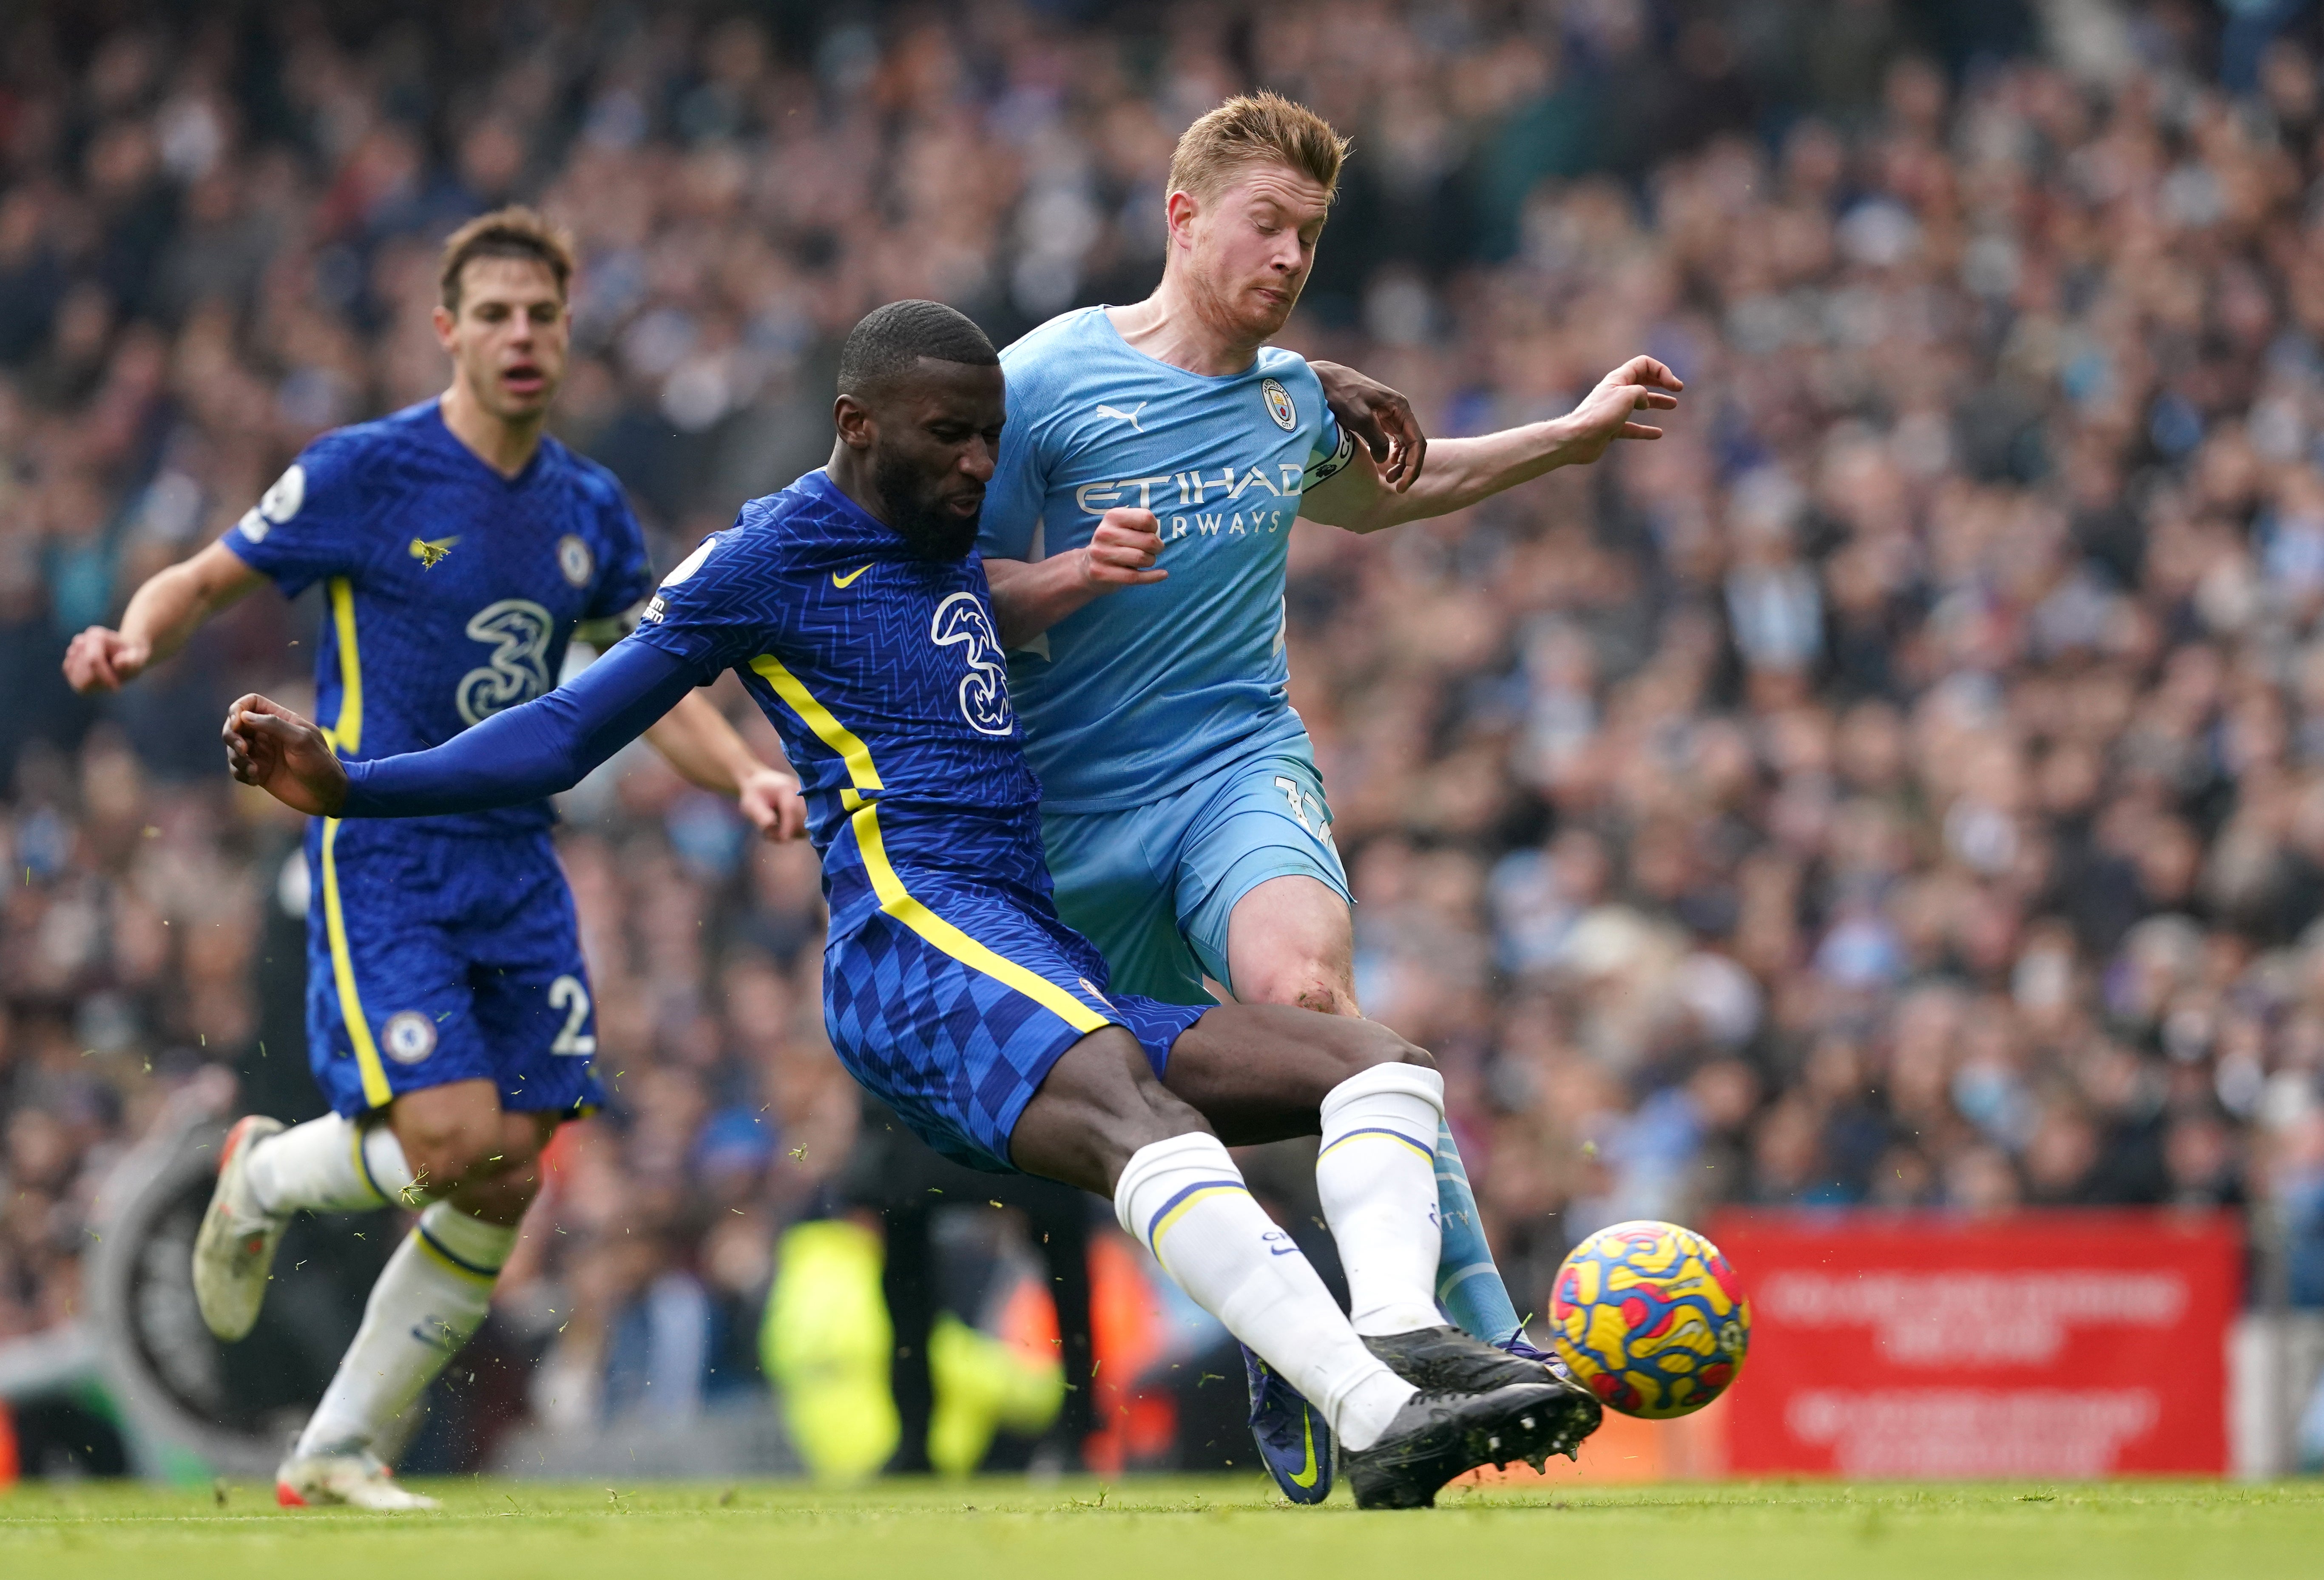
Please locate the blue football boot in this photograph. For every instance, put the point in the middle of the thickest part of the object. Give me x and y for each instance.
(1293, 1437)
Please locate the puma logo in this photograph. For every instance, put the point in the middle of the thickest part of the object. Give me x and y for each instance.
(848, 580)
(1130, 416)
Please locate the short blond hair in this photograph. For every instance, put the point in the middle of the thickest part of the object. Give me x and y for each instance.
(1252, 129)
(514, 232)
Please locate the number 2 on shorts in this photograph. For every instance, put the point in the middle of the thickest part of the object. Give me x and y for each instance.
(567, 994)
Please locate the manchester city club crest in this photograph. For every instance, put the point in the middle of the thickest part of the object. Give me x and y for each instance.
(1278, 405)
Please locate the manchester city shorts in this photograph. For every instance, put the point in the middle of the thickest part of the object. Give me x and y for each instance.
(953, 1014)
(1154, 886)
(434, 958)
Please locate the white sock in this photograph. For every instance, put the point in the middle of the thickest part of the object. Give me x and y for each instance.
(428, 1302)
(1186, 1200)
(330, 1164)
(1376, 1178)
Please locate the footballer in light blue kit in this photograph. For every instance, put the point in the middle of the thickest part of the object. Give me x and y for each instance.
(450, 1025)
(1156, 457)
(1176, 775)
(853, 606)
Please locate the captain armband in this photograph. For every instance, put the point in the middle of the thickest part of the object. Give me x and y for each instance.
(1332, 465)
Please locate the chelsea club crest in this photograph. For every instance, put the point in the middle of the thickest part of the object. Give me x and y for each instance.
(1278, 405)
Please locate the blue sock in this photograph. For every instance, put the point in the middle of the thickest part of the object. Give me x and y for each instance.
(1468, 1285)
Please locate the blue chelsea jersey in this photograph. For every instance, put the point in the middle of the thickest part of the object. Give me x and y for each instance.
(1142, 692)
(883, 676)
(453, 591)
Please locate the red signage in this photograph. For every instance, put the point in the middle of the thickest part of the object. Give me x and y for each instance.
(2061, 1344)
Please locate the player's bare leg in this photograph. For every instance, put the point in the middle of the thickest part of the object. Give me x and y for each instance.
(461, 1145)
(1101, 1121)
(1292, 941)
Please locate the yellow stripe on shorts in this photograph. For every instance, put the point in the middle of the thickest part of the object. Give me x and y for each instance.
(377, 1093)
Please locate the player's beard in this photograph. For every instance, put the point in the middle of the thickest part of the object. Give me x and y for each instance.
(933, 532)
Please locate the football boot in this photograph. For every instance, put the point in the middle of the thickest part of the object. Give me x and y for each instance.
(352, 1478)
(1293, 1440)
(234, 1252)
(1436, 1436)
(1445, 1358)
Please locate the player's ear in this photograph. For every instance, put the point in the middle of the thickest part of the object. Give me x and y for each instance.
(1182, 209)
(856, 425)
(441, 317)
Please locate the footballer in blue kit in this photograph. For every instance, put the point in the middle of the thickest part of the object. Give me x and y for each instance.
(445, 948)
(856, 611)
(450, 1023)
(950, 987)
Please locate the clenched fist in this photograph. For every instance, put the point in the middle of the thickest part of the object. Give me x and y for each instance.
(271, 747)
(1121, 552)
(102, 659)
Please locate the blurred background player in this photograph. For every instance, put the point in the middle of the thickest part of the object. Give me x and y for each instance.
(855, 603)
(1187, 824)
(449, 1017)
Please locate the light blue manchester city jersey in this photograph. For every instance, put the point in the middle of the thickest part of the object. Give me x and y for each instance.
(1140, 692)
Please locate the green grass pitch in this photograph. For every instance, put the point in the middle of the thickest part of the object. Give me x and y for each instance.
(1222, 1529)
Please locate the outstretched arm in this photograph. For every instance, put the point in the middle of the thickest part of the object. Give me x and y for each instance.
(1461, 472)
(170, 607)
(548, 745)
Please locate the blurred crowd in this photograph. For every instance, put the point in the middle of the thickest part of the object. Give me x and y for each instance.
(1901, 785)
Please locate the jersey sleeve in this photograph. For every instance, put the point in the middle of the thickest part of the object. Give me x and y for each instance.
(307, 525)
(704, 614)
(1014, 499)
(626, 575)
(524, 753)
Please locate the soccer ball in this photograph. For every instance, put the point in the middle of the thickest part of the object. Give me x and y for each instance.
(1650, 1318)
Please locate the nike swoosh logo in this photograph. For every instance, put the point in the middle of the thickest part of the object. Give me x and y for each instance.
(839, 581)
(427, 552)
(1283, 1250)
(1306, 1478)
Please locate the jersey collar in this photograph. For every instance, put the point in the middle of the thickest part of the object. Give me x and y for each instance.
(525, 474)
